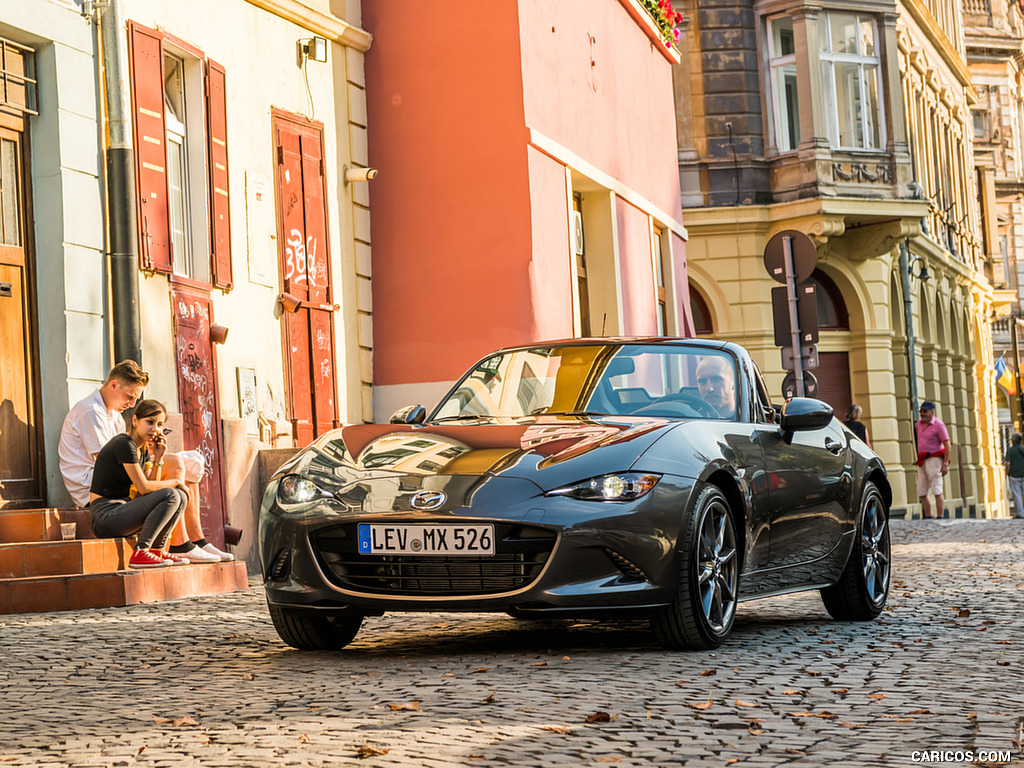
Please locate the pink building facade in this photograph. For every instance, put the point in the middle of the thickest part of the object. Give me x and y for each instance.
(528, 185)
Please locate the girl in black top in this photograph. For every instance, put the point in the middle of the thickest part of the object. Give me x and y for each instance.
(135, 459)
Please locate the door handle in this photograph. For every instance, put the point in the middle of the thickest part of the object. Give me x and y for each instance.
(832, 446)
(6, 290)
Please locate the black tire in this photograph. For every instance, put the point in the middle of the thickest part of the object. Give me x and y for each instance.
(312, 632)
(702, 612)
(863, 588)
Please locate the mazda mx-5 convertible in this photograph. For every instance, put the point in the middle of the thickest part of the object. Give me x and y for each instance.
(581, 478)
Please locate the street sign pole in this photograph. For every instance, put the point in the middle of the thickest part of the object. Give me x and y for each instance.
(794, 327)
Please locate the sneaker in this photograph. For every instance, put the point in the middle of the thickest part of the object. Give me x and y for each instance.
(144, 558)
(197, 555)
(169, 558)
(227, 557)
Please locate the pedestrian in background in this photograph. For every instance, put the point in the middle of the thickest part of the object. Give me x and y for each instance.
(1014, 462)
(933, 454)
(855, 425)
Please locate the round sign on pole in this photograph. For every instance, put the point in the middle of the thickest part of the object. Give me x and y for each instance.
(805, 256)
(789, 385)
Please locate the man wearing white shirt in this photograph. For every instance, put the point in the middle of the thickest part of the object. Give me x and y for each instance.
(93, 422)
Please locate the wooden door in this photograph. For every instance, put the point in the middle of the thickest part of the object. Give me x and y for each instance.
(199, 402)
(308, 334)
(21, 465)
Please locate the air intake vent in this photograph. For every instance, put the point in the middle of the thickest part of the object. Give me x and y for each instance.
(282, 565)
(627, 567)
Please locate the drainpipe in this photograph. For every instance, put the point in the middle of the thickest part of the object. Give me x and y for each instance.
(908, 316)
(122, 247)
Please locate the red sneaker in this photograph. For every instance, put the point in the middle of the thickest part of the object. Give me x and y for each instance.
(144, 558)
(169, 558)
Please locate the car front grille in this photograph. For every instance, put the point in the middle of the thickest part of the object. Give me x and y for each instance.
(520, 553)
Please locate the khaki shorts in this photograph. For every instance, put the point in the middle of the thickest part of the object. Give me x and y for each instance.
(929, 477)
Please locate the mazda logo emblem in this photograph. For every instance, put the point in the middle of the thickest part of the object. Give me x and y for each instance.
(428, 500)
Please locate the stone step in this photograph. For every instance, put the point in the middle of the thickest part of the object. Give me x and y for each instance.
(27, 525)
(119, 588)
(63, 558)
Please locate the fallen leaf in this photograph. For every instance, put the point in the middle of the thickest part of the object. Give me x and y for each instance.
(702, 705)
(794, 751)
(755, 731)
(490, 698)
(448, 674)
(439, 626)
(248, 676)
(791, 692)
(828, 642)
(742, 703)
(599, 717)
(963, 613)
(541, 664)
(303, 739)
(205, 740)
(476, 757)
(839, 690)
(876, 696)
(753, 719)
(141, 750)
(1003, 663)
(566, 658)
(851, 725)
(413, 705)
(482, 669)
(186, 720)
(367, 751)
(160, 720)
(1005, 642)
(709, 672)
(920, 712)
(608, 759)
(562, 729)
(980, 629)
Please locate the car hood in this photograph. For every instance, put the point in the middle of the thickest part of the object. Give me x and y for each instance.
(548, 451)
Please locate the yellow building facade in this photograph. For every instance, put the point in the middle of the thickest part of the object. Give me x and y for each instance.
(851, 124)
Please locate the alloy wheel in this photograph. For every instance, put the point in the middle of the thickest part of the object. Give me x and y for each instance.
(717, 567)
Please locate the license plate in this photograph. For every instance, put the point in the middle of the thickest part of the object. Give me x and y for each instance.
(377, 539)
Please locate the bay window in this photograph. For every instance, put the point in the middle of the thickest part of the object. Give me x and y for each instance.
(782, 63)
(851, 72)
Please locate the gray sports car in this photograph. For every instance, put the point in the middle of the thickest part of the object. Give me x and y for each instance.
(588, 477)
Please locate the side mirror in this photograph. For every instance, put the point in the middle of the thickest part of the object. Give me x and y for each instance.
(803, 414)
(411, 414)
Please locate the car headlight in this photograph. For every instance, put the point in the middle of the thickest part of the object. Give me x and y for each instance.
(295, 489)
(624, 486)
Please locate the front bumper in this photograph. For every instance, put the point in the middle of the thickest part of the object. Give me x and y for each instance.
(552, 554)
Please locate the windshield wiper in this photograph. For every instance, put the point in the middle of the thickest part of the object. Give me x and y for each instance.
(572, 413)
(463, 417)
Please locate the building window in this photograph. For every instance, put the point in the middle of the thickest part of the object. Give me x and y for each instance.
(782, 63)
(177, 165)
(979, 122)
(851, 75)
(580, 255)
(702, 323)
(832, 312)
(660, 281)
(181, 171)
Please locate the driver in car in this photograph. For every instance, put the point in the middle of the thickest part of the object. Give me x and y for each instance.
(717, 384)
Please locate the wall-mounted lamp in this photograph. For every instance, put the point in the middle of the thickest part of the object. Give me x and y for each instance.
(314, 48)
(218, 334)
(922, 273)
(358, 174)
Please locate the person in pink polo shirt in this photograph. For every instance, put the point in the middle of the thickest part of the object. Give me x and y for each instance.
(933, 455)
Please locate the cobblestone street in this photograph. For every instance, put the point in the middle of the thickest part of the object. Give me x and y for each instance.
(206, 681)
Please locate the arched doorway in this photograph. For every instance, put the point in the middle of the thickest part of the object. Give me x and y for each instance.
(833, 371)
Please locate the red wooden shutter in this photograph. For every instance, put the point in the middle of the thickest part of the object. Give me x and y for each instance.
(217, 152)
(150, 135)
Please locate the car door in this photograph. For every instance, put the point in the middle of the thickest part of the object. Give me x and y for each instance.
(808, 481)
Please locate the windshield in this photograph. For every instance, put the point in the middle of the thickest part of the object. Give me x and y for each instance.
(670, 381)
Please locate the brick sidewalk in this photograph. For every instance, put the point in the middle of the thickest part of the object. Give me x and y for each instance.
(205, 681)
